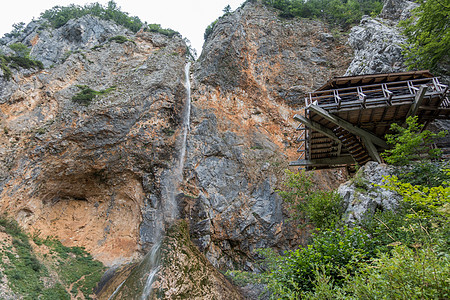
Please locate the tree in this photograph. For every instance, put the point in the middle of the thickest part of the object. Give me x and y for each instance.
(20, 49)
(411, 143)
(227, 10)
(428, 35)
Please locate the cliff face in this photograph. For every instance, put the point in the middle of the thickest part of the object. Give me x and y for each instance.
(85, 173)
(93, 175)
(249, 81)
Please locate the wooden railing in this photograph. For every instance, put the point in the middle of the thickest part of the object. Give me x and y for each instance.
(382, 93)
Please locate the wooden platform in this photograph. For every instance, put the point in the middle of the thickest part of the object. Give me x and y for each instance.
(345, 121)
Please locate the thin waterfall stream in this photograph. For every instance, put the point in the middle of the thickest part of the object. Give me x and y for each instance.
(170, 184)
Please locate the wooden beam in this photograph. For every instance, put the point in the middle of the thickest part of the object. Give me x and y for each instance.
(373, 152)
(417, 101)
(347, 125)
(321, 162)
(316, 126)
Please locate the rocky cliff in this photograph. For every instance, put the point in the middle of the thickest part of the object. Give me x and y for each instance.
(250, 79)
(93, 173)
(87, 173)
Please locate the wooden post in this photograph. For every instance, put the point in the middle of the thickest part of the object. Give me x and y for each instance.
(417, 102)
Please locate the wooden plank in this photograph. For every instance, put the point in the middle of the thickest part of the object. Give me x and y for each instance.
(342, 160)
(347, 126)
(417, 102)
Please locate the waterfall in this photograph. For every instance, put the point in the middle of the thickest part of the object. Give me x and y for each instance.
(171, 179)
(170, 186)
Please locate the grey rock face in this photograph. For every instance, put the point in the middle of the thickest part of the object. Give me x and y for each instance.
(377, 47)
(362, 195)
(50, 45)
(397, 10)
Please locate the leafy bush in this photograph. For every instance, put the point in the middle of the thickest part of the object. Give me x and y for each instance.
(86, 95)
(403, 274)
(411, 143)
(293, 273)
(428, 35)
(322, 208)
(119, 39)
(157, 28)
(209, 29)
(338, 12)
(59, 15)
(20, 49)
(4, 66)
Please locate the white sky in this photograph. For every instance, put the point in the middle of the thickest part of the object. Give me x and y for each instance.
(189, 17)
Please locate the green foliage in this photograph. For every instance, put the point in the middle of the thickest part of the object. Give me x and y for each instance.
(74, 263)
(119, 39)
(227, 10)
(338, 12)
(20, 49)
(428, 35)
(425, 173)
(403, 274)
(293, 273)
(86, 95)
(428, 201)
(4, 66)
(59, 15)
(17, 30)
(322, 208)
(157, 28)
(25, 273)
(411, 143)
(20, 60)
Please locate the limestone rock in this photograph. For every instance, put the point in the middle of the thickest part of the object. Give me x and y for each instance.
(249, 81)
(50, 45)
(90, 174)
(377, 47)
(397, 10)
(362, 194)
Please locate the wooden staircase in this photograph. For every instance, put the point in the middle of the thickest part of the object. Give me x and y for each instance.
(353, 145)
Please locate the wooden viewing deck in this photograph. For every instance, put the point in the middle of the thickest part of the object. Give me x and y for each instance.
(345, 121)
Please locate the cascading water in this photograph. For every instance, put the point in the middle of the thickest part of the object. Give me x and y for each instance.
(170, 183)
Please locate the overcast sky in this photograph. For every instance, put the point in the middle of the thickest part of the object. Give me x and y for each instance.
(189, 17)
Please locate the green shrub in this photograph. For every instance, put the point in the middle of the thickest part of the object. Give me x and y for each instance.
(324, 209)
(59, 15)
(86, 95)
(289, 275)
(20, 49)
(411, 143)
(4, 66)
(209, 30)
(157, 28)
(338, 12)
(119, 39)
(428, 35)
(403, 274)
(24, 62)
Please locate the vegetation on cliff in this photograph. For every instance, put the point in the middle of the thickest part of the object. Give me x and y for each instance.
(21, 59)
(339, 12)
(389, 255)
(60, 15)
(37, 268)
